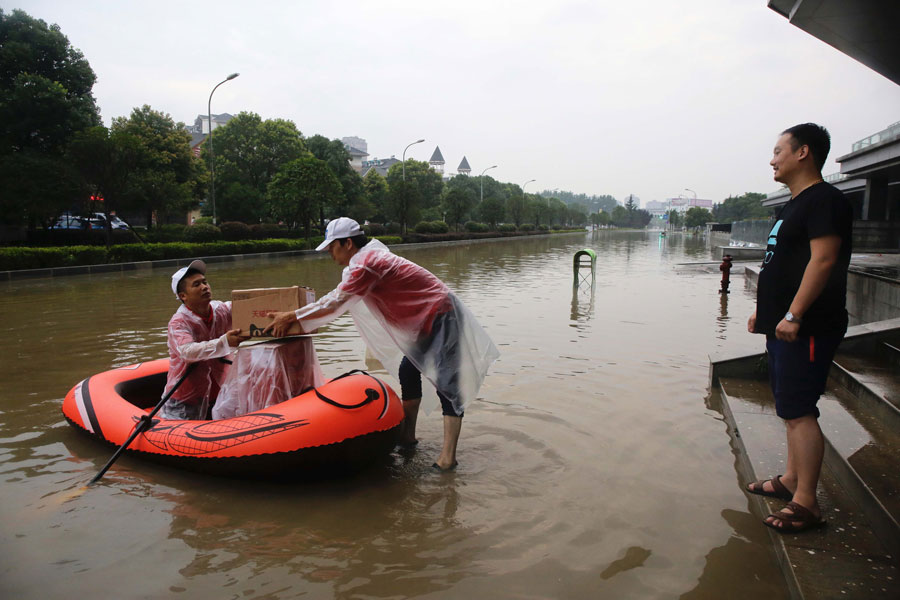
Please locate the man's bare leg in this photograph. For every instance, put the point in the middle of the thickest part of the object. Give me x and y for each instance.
(410, 414)
(452, 428)
(806, 449)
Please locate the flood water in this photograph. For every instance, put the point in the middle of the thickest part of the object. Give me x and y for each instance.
(591, 467)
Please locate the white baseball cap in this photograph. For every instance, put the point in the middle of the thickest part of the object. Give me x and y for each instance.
(339, 229)
(197, 265)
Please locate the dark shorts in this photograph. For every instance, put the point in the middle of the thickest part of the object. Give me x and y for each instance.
(445, 333)
(798, 371)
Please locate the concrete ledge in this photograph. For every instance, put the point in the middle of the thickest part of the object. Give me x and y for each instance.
(744, 366)
(742, 252)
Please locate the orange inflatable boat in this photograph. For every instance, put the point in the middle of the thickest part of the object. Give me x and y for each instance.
(345, 424)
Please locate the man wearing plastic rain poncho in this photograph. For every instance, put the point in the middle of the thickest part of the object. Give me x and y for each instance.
(199, 332)
(410, 321)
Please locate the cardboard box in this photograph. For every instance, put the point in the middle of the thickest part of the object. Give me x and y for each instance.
(250, 308)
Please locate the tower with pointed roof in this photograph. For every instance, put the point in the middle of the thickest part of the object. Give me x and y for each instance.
(437, 160)
(464, 168)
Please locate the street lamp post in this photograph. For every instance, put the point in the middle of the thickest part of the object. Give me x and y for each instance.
(526, 183)
(693, 192)
(212, 160)
(404, 155)
(481, 177)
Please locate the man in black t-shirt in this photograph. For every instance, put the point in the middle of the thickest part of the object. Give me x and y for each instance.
(801, 309)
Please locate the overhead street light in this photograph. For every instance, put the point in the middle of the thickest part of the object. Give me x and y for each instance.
(524, 184)
(212, 160)
(404, 155)
(482, 180)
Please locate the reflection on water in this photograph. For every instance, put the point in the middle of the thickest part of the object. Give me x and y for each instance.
(590, 467)
(583, 302)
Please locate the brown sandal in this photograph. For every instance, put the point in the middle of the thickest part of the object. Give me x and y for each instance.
(779, 491)
(798, 514)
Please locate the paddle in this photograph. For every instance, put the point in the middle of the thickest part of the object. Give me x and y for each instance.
(143, 424)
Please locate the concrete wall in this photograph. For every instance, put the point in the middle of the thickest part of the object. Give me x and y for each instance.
(871, 299)
(876, 235)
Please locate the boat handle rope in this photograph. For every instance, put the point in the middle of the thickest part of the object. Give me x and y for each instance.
(371, 395)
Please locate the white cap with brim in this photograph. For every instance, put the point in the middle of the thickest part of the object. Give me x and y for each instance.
(197, 265)
(339, 229)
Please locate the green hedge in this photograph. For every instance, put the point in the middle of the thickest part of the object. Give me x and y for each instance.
(432, 227)
(201, 233)
(387, 240)
(42, 258)
(15, 258)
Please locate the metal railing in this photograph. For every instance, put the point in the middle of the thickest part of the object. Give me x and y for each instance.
(890, 133)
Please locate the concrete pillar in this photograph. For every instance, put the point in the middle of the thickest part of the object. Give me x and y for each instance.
(875, 203)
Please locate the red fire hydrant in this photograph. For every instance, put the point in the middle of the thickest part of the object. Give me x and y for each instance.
(725, 267)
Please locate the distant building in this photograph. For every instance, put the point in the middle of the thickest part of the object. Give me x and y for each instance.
(197, 140)
(381, 165)
(201, 123)
(682, 204)
(437, 160)
(356, 142)
(357, 158)
(464, 168)
(657, 208)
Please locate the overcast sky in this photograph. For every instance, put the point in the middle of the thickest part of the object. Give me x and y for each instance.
(597, 97)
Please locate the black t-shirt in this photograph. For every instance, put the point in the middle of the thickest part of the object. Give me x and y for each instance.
(819, 210)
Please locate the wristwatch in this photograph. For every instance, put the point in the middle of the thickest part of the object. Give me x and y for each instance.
(790, 318)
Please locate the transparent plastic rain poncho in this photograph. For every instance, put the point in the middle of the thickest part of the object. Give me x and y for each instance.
(191, 339)
(267, 374)
(394, 303)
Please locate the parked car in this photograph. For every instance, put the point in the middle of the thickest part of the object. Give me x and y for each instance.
(93, 221)
(67, 221)
(98, 221)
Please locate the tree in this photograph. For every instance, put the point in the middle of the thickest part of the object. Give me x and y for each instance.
(300, 189)
(457, 203)
(106, 162)
(249, 152)
(516, 207)
(375, 188)
(492, 211)
(741, 208)
(403, 202)
(167, 178)
(45, 99)
(697, 217)
(538, 210)
(591, 203)
(576, 215)
(427, 181)
(556, 211)
(675, 219)
(337, 158)
(35, 188)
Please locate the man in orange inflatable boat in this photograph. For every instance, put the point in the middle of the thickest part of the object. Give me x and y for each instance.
(199, 332)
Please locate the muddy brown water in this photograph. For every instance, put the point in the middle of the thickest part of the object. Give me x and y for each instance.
(591, 467)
